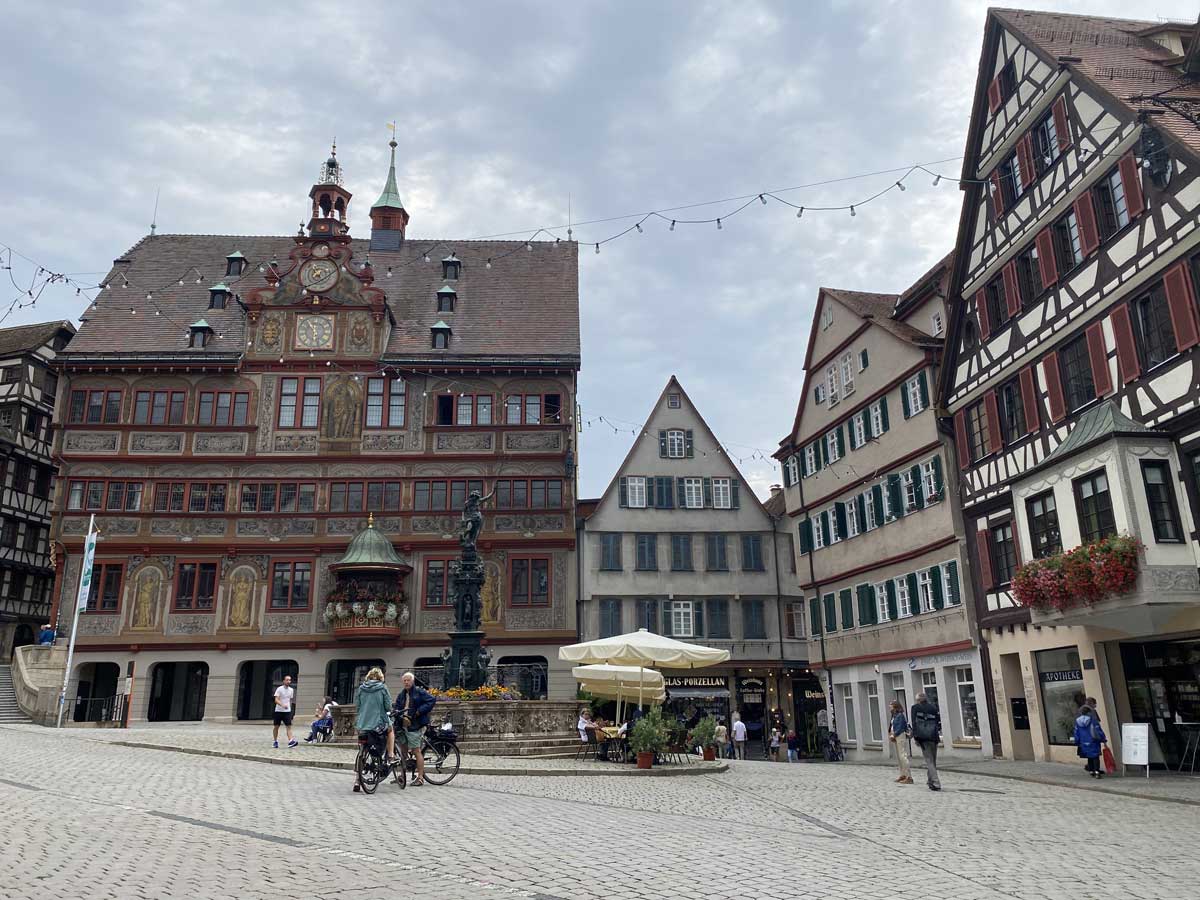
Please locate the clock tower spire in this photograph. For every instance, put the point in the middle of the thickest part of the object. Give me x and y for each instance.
(330, 200)
(389, 219)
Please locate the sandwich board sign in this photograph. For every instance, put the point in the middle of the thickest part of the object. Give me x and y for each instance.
(1135, 745)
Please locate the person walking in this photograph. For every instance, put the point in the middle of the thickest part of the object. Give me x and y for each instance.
(739, 737)
(927, 730)
(793, 746)
(413, 704)
(775, 744)
(372, 703)
(284, 695)
(898, 734)
(721, 736)
(1089, 740)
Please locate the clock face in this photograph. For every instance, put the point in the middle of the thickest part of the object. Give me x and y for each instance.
(319, 274)
(314, 332)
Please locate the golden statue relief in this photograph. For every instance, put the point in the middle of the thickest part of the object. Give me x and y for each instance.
(239, 607)
(343, 401)
(490, 598)
(147, 597)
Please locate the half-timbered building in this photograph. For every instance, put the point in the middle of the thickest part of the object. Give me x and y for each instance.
(1071, 367)
(865, 471)
(236, 407)
(27, 390)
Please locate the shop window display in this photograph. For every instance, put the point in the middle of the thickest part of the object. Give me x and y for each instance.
(1060, 679)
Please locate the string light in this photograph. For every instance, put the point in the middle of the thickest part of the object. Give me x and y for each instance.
(852, 212)
(672, 228)
(800, 213)
(638, 226)
(597, 249)
(718, 224)
(900, 185)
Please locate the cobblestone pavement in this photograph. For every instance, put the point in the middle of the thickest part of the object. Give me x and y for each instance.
(89, 818)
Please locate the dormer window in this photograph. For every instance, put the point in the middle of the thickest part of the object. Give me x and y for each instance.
(450, 267)
(445, 299)
(218, 296)
(199, 335)
(234, 263)
(440, 334)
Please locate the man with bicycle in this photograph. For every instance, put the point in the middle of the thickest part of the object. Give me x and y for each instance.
(412, 708)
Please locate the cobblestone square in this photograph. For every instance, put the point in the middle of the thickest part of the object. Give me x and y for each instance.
(86, 817)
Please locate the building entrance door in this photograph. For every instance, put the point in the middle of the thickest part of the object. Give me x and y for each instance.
(1163, 680)
(807, 700)
(177, 692)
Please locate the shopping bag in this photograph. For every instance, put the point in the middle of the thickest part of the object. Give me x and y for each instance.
(1110, 764)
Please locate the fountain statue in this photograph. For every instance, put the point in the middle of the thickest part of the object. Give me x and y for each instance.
(466, 661)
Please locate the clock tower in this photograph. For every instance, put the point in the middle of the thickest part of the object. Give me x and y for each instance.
(330, 200)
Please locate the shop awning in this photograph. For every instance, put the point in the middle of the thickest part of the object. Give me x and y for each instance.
(677, 693)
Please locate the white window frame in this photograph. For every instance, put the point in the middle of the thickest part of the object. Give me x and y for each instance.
(913, 387)
(936, 321)
(847, 697)
(810, 459)
(858, 423)
(871, 693)
(928, 480)
(635, 492)
(852, 529)
(831, 383)
(682, 615)
(881, 607)
(674, 401)
(876, 418)
(693, 493)
(676, 441)
(1116, 187)
(888, 513)
(910, 490)
(819, 393)
(831, 446)
(834, 535)
(847, 374)
(818, 533)
(826, 316)
(959, 683)
(722, 489)
(903, 601)
(929, 683)
(793, 471)
(947, 593)
(925, 590)
(869, 509)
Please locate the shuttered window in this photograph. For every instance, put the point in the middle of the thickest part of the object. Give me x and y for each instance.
(1112, 209)
(1012, 411)
(1004, 553)
(1076, 366)
(978, 437)
(1152, 325)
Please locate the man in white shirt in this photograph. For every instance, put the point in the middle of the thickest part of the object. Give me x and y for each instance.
(284, 695)
(739, 737)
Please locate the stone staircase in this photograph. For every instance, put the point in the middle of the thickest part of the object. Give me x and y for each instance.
(558, 745)
(10, 712)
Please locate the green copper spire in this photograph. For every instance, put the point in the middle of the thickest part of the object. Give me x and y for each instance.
(390, 198)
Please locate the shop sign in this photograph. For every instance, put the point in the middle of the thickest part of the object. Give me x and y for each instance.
(700, 681)
(752, 690)
(1065, 675)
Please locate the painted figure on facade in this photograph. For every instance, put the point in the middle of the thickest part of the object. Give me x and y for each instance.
(147, 594)
(490, 598)
(342, 418)
(239, 607)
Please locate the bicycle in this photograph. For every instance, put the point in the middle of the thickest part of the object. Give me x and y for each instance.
(439, 751)
(371, 767)
(832, 750)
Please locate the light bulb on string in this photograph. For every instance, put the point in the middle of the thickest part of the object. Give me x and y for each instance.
(181, 282)
(900, 185)
(158, 312)
(852, 212)
(800, 212)
(425, 258)
(763, 199)
(638, 226)
(597, 249)
(389, 271)
(199, 279)
(937, 180)
(718, 224)
(529, 246)
(672, 228)
(489, 264)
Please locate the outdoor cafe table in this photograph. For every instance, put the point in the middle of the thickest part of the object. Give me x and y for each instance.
(613, 740)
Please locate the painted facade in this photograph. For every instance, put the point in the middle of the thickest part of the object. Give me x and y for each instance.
(680, 545)
(866, 480)
(267, 395)
(1070, 375)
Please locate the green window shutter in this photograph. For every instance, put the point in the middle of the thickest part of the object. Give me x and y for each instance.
(866, 414)
(688, 449)
(952, 575)
(666, 492)
(850, 433)
(893, 610)
(864, 604)
(862, 359)
(847, 603)
(841, 440)
(894, 496)
(924, 385)
(861, 502)
(806, 536)
(914, 599)
(825, 525)
(872, 606)
(938, 483)
(624, 491)
(708, 489)
(680, 494)
(877, 502)
(935, 577)
(839, 513)
(918, 486)
(733, 493)
(814, 615)
(698, 618)
(883, 412)
(820, 453)
(787, 481)
(662, 443)
(904, 400)
(830, 613)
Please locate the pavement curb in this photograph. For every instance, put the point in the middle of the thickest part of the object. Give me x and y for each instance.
(464, 770)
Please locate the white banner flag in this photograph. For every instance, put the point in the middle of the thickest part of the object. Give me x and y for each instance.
(85, 577)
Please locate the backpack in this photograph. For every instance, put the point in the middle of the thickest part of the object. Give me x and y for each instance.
(924, 726)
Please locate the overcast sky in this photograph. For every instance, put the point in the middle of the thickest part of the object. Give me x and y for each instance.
(505, 111)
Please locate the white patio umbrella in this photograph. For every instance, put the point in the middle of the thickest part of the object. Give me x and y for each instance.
(617, 682)
(642, 648)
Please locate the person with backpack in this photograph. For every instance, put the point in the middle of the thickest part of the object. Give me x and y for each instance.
(927, 730)
(898, 734)
(1089, 740)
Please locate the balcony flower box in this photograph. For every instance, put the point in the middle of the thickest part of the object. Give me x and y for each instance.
(1082, 576)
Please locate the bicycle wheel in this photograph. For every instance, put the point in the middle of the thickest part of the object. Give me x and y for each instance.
(441, 761)
(363, 774)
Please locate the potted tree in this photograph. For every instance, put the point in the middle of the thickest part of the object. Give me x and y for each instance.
(705, 734)
(647, 737)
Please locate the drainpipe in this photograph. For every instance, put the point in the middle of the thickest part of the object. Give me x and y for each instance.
(812, 577)
(778, 601)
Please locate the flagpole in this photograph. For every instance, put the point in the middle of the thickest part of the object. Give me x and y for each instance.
(81, 598)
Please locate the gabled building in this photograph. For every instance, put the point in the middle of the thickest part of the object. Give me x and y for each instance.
(259, 398)
(1071, 366)
(27, 391)
(865, 474)
(680, 545)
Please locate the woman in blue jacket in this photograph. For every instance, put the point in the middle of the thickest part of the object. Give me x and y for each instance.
(1089, 740)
